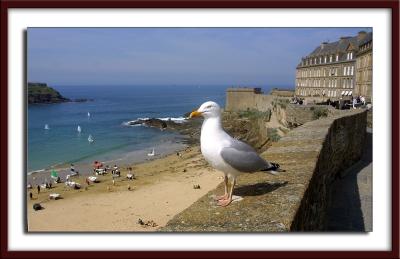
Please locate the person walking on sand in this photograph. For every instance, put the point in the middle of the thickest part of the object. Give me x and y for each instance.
(30, 195)
(38, 189)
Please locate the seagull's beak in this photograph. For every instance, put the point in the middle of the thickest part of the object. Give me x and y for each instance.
(195, 114)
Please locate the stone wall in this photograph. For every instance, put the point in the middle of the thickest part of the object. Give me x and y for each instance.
(242, 99)
(282, 92)
(312, 156)
(342, 147)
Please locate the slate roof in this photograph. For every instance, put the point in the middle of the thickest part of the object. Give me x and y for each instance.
(339, 46)
(367, 39)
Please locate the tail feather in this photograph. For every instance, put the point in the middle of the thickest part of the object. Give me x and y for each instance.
(273, 169)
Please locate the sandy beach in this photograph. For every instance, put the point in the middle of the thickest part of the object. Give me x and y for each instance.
(163, 187)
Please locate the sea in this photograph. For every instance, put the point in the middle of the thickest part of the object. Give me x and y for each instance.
(112, 107)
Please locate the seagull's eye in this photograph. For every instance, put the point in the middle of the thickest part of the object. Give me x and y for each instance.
(209, 107)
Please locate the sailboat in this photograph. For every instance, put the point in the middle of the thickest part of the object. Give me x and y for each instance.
(79, 129)
(90, 139)
(152, 153)
(46, 127)
(88, 114)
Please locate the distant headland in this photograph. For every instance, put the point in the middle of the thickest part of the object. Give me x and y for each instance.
(42, 93)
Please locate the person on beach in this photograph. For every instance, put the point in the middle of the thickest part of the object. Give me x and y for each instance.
(30, 195)
(362, 98)
(38, 189)
(72, 168)
(130, 174)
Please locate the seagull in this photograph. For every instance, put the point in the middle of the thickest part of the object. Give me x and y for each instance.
(227, 154)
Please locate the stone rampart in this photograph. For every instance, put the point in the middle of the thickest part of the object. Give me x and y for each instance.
(312, 155)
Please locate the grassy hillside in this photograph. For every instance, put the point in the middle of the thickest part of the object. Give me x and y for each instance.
(41, 93)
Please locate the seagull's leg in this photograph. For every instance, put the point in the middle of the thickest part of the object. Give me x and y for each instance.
(225, 196)
(227, 201)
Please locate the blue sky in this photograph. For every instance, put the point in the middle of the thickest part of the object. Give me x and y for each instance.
(172, 56)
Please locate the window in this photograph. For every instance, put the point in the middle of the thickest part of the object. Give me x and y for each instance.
(325, 59)
(351, 55)
(320, 60)
(352, 70)
(337, 57)
(351, 83)
(344, 71)
(330, 58)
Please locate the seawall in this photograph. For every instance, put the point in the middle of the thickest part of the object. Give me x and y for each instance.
(313, 155)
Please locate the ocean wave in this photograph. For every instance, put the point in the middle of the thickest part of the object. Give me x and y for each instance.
(36, 171)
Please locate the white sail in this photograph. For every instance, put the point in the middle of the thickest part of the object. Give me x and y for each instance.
(90, 139)
(46, 127)
(79, 129)
(88, 114)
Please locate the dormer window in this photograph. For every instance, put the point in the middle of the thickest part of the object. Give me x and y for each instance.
(325, 60)
(337, 57)
(330, 58)
(349, 55)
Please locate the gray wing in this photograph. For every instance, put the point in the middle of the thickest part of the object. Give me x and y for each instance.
(243, 158)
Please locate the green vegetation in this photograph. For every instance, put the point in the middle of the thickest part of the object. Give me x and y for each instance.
(41, 93)
(319, 112)
(273, 135)
(254, 114)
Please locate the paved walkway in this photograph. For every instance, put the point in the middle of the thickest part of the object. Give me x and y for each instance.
(351, 204)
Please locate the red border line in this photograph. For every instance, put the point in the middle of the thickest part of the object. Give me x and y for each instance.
(392, 4)
(199, 4)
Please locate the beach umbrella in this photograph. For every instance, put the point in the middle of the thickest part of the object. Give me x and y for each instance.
(54, 174)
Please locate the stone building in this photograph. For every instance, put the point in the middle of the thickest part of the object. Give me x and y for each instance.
(329, 72)
(364, 68)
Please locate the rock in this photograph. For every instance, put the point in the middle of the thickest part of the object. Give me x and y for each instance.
(81, 100)
(196, 186)
(37, 206)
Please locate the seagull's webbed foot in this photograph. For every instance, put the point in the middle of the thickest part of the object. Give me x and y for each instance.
(222, 197)
(224, 202)
(226, 195)
(228, 200)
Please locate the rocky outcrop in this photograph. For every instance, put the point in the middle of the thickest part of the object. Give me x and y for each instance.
(41, 93)
(153, 122)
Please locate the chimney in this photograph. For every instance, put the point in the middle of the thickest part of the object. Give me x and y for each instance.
(323, 44)
(361, 35)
